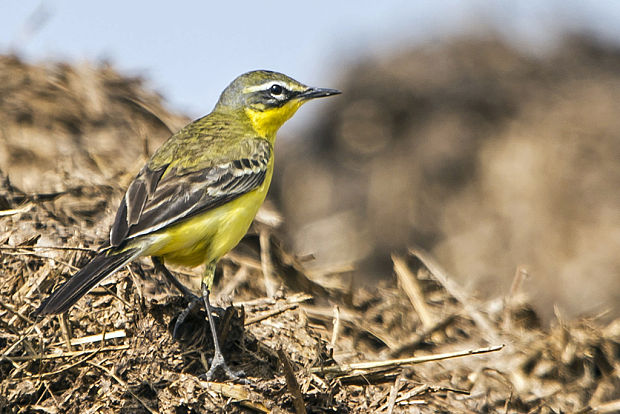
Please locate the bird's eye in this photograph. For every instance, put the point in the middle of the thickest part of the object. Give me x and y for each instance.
(276, 90)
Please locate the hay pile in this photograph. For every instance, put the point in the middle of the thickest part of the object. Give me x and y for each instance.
(321, 344)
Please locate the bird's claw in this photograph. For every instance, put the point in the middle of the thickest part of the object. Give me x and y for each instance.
(219, 364)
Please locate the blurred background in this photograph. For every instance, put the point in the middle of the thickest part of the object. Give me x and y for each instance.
(486, 132)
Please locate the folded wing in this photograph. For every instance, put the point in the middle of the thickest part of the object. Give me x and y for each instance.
(164, 196)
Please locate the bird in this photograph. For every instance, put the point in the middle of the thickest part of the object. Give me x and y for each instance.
(198, 194)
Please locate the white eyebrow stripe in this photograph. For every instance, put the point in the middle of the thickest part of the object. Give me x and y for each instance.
(265, 86)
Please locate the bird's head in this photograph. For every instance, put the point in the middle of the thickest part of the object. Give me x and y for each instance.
(268, 99)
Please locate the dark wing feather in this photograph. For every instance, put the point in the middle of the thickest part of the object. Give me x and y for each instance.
(131, 207)
(163, 197)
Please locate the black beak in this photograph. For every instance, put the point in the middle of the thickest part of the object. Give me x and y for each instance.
(312, 93)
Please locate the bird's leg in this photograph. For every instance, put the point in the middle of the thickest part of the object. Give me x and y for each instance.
(193, 299)
(218, 361)
(159, 266)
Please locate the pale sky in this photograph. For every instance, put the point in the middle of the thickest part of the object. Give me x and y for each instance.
(190, 50)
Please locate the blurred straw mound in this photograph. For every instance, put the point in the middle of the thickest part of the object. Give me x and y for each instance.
(75, 124)
(487, 156)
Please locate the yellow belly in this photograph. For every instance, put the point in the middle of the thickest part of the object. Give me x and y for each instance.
(208, 236)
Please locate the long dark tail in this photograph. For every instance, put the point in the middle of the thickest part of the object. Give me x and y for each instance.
(104, 264)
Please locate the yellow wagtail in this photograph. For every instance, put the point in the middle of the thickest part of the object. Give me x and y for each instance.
(197, 196)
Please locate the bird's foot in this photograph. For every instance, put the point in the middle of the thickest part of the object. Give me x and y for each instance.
(193, 301)
(218, 364)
